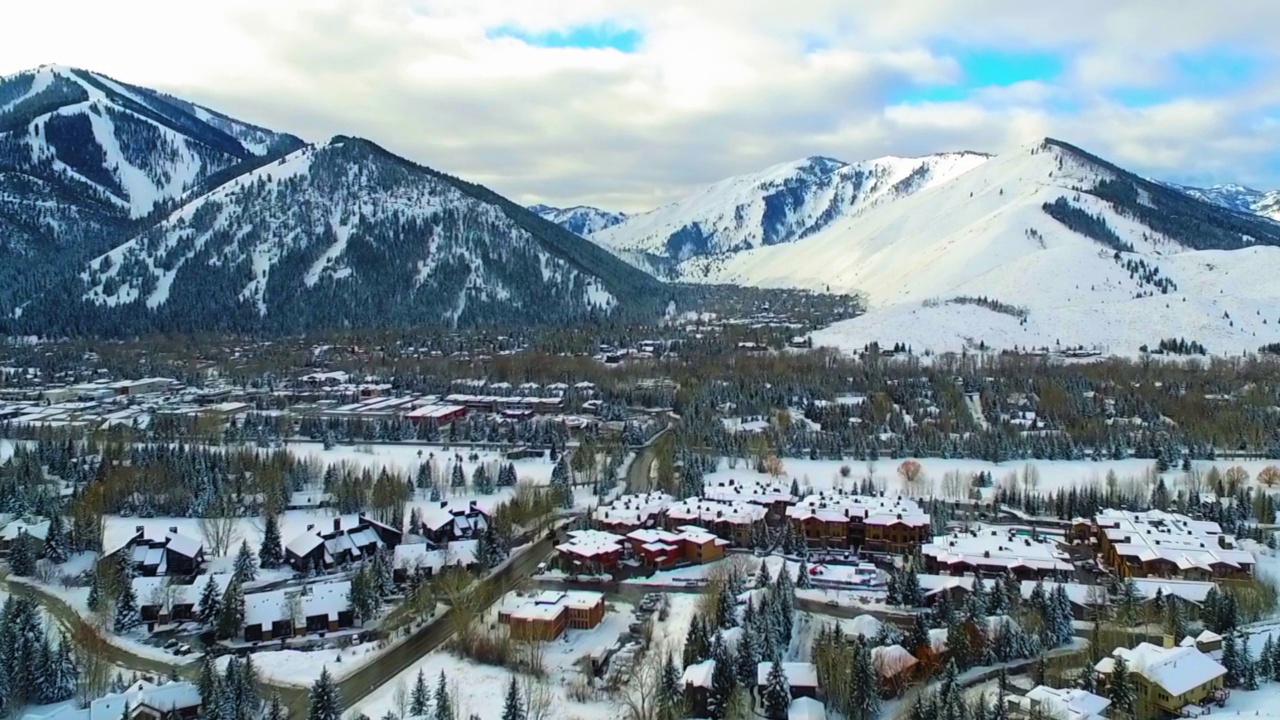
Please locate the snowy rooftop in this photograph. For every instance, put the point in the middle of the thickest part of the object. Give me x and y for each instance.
(1065, 703)
(799, 674)
(591, 543)
(997, 546)
(752, 491)
(835, 506)
(806, 708)
(548, 604)
(1172, 537)
(738, 512)
(1177, 670)
(327, 599)
(699, 674)
(633, 509)
(167, 697)
(414, 555)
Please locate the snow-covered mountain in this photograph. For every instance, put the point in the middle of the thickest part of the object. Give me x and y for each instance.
(83, 158)
(778, 205)
(345, 234)
(1238, 197)
(580, 219)
(126, 210)
(1065, 246)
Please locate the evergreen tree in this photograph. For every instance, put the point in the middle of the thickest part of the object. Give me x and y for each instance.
(444, 705)
(1121, 689)
(245, 568)
(763, 579)
(747, 658)
(513, 708)
(55, 540)
(696, 645)
(723, 682)
(421, 698)
(1231, 660)
(210, 606)
(127, 613)
(803, 581)
(864, 701)
(209, 680)
(22, 557)
(275, 709)
(777, 692)
(458, 477)
(726, 607)
(1265, 669)
(250, 698)
(326, 702)
(481, 481)
(1175, 620)
(231, 611)
(671, 693)
(271, 554)
(95, 589)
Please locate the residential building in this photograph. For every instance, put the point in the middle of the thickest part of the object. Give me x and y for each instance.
(996, 551)
(319, 607)
(1167, 680)
(835, 519)
(162, 601)
(773, 496)
(351, 539)
(449, 522)
(428, 559)
(546, 615)
(1043, 701)
(895, 668)
(1163, 544)
(660, 549)
(632, 512)
(802, 677)
(591, 552)
(154, 551)
(143, 700)
(735, 521)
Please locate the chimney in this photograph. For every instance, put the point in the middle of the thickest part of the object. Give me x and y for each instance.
(139, 529)
(337, 524)
(311, 527)
(174, 529)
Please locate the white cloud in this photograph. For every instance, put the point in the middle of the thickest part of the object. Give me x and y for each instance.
(715, 87)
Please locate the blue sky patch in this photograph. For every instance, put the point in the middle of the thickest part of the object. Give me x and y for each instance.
(986, 68)
(1199, 74)
(597, 36)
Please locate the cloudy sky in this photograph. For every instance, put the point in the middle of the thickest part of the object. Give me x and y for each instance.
(628, 103)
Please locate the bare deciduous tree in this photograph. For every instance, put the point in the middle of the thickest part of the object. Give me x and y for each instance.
(219, 529)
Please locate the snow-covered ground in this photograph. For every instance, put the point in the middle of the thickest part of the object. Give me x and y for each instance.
(481, 688)
(1053, 474)
(302, 667)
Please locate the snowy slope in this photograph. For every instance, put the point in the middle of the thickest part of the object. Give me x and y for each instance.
(580, 219)
(134, 147)
(1238, 197)
(779, 204)
(346, 234)
(985, 233)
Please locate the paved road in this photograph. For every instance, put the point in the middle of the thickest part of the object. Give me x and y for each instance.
(640, 472)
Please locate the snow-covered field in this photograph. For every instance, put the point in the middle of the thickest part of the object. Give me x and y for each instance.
(302, 667)
(1053, 474)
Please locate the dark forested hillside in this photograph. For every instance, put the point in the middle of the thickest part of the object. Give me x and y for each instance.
(344, 234)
